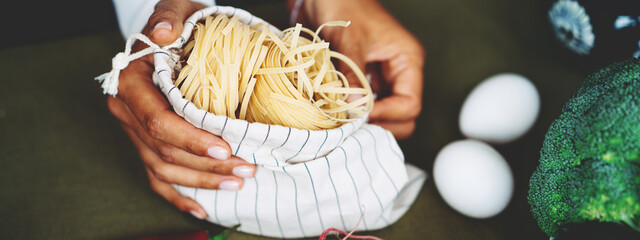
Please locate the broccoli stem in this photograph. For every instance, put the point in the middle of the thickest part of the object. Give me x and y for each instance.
(632, 222)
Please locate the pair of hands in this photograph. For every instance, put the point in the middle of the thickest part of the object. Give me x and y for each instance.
(176, 152)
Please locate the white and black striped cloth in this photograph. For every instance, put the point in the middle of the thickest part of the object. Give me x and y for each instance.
(307, 181)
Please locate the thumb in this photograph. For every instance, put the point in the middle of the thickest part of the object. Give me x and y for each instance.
(166, 23)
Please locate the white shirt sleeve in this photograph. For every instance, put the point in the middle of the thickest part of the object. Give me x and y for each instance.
(133, 14)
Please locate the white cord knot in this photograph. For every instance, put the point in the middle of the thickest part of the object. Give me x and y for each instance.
(119, 61)
(110, 80)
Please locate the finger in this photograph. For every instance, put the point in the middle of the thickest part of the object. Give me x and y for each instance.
(166, 23)
(170, 154)
(355, 53)
(154, 114)
(171, 173)
(400, 130)
(192, 178)
(233, 166)
(405, 101)
(174, 174)
(170, 194)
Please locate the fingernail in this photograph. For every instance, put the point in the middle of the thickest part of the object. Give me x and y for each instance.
(243, 171)
(230, 185)
(218, 152)
(196, 214)
(163, 25)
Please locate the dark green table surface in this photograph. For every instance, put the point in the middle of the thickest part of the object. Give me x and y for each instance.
(68, 171)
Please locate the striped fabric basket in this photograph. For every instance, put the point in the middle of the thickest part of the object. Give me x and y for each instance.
(306, 181)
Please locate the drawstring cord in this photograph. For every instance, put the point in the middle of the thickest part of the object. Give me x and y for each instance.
(110, 80)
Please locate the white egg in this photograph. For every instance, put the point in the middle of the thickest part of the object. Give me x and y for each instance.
(500, 109)
(473, 178)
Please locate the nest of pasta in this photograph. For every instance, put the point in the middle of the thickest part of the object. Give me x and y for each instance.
(251, 73)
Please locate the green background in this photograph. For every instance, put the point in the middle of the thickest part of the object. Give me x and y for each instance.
(68, 171)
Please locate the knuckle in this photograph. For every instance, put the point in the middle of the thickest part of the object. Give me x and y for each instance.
(193, 145)
(162, 12)
(214, 166)
(415, 44)
(166, 152)
(414, 109)
(154, 182)
(161, 173)
(153, 125)
(206, 181)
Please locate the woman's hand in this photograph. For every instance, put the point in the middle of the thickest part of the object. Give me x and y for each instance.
(173, 150)
(379, 44)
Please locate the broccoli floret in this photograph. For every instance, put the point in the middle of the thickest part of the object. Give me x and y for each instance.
(590, 159)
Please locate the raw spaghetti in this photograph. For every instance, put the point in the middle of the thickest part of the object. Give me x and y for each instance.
(250, 73)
